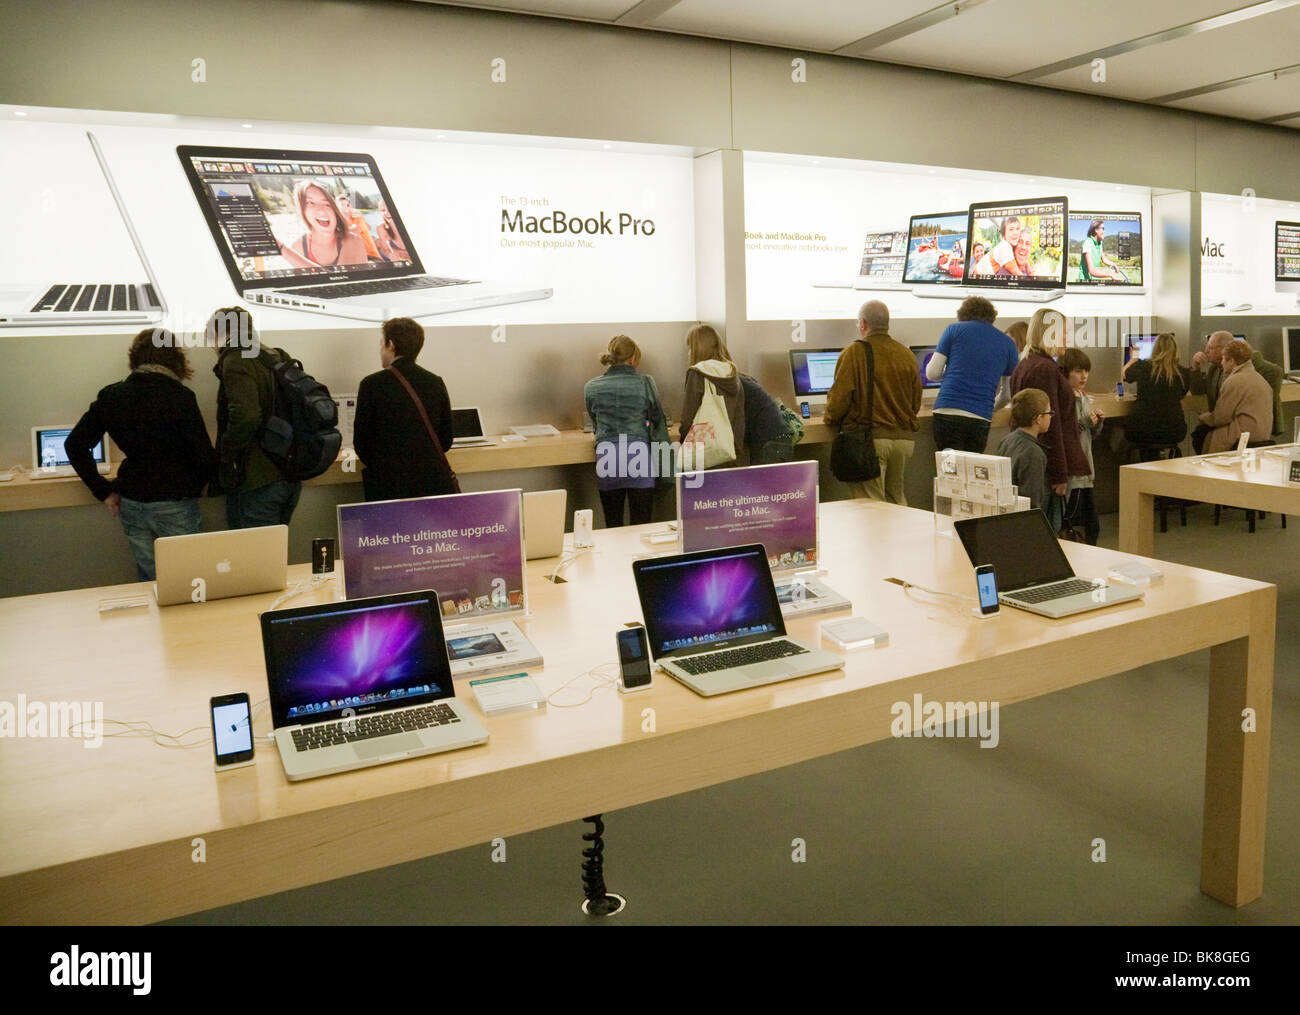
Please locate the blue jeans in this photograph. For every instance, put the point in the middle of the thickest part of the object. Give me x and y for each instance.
(272, 504)
(145, 521)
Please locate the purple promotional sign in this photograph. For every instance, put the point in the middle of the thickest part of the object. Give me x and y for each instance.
(467, 547)
(775, 505)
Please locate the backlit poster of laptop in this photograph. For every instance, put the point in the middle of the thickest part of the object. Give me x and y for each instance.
(936, 248)
(1018, 246)
(320, 232)
(714, 622)
(1105, 251)
(50, 458)
(881, 267)
(62, 302)
(360, 683)
(1033, 573)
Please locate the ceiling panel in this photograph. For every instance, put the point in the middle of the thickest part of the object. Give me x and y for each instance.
(1001, 38)
(1255, 101)
(1249, 47)
(815, 24)
(600, 10)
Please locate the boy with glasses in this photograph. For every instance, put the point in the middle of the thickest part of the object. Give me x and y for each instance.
(1031, 415)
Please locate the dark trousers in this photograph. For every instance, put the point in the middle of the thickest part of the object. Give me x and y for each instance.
(1081, 510)
(1198, 438)
(640, 502)
(961, 433)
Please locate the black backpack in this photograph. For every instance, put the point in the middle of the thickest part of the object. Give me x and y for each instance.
(301, 433)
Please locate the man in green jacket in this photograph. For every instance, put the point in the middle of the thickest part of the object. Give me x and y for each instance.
(257, 492)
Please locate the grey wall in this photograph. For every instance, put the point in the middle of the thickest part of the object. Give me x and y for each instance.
(428, 66)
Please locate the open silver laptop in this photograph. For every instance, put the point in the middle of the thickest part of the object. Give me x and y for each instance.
(218, 565)
(715, 624)
(50, 458)
(467, 429)
(544, 512)
(286, 240)
(881, 267)
(1031, 568)
(360, 683)
(60, 302)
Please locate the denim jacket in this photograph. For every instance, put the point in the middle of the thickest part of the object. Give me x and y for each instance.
(619, 404)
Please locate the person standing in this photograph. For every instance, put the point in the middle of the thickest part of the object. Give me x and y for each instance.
(400, 456)
(1080, 506)
(1037, 369)
(154, 419)
(624, 407)
(257, 492)
(1157, 418)
(895, 400)
(767, 434)
(711, 365)
(1031, 417)
(971, 360)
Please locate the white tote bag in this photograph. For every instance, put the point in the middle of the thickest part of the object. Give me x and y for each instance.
(710, 441)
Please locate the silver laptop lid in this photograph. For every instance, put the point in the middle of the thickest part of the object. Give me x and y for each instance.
(217, 565)
(126, 218)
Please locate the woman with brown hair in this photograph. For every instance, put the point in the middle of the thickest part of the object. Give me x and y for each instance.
(154, 419)
(625, 409)
(1157, 418)
(710, 367)
(1037, 369)
(329, 239)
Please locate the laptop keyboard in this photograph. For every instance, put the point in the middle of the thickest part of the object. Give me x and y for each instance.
(732, 658)
(103, 297)
(1057, 590)
(387, 285)
(331, 734)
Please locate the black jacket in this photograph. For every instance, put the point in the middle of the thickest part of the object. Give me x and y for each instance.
(155, 421)
(391, 440)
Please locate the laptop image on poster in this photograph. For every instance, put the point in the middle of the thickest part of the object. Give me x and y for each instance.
(230, 562)
(362, 682)
(1105, 252)
(1031, 568)
(714, 622)
(278, 219)
(881, 267)
(62, 302)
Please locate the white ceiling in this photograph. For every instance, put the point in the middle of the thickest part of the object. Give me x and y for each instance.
(1238, 58)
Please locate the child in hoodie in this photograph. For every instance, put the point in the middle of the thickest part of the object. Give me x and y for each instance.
(710, 362)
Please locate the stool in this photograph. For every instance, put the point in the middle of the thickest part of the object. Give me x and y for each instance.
(1250, 512)
(1163, 452)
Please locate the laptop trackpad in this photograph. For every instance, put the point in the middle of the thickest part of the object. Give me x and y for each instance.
(768, 670)
(368, 749)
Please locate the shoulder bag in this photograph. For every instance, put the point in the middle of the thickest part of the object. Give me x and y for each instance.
(853, 452)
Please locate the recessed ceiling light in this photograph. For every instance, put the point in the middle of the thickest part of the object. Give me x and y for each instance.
(441, 137)
(19, 112)
(607, 146)
(931, 172)
(248, 126)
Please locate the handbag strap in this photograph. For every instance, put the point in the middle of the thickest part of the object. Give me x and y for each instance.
(871, 383)
(424, 415)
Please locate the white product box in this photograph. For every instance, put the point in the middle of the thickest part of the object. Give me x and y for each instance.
(1022, 504)
(949, 486)
(950, 463)
(994, 496)
(969, 509)
(992, 469)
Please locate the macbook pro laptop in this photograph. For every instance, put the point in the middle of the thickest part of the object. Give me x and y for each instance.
(467, 429)
(50, 459)
(277, 223)
(61, 302)
(218, 565)
(881, 267)
(715, 624)
(544, 512)
(360, 683)
(1031, 568)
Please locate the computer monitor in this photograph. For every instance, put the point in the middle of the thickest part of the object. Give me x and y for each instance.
(1291, 350)
(48, 452)
(1017, 244)
(1140, 346)
(813, 371)
(1286, 251)
(883, 255)
(923, 354)
(935, 248)
(1105, 249)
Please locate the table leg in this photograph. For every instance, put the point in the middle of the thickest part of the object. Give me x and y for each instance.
(1236, 763)
(1136, 516)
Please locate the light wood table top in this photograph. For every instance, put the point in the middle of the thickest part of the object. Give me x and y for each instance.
(107, 834)
(1258, 481)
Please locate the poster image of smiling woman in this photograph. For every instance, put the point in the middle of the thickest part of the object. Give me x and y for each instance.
(328, 240)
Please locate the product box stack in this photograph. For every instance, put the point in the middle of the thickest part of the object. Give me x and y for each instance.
(968, 485)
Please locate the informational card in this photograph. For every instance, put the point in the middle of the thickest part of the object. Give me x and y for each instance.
(775, 505)
(467, 547)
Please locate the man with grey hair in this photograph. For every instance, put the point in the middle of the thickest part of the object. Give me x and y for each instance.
(1207, 378)
(895, 399)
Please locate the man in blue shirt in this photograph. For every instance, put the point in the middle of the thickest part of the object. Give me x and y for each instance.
(971, 360)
